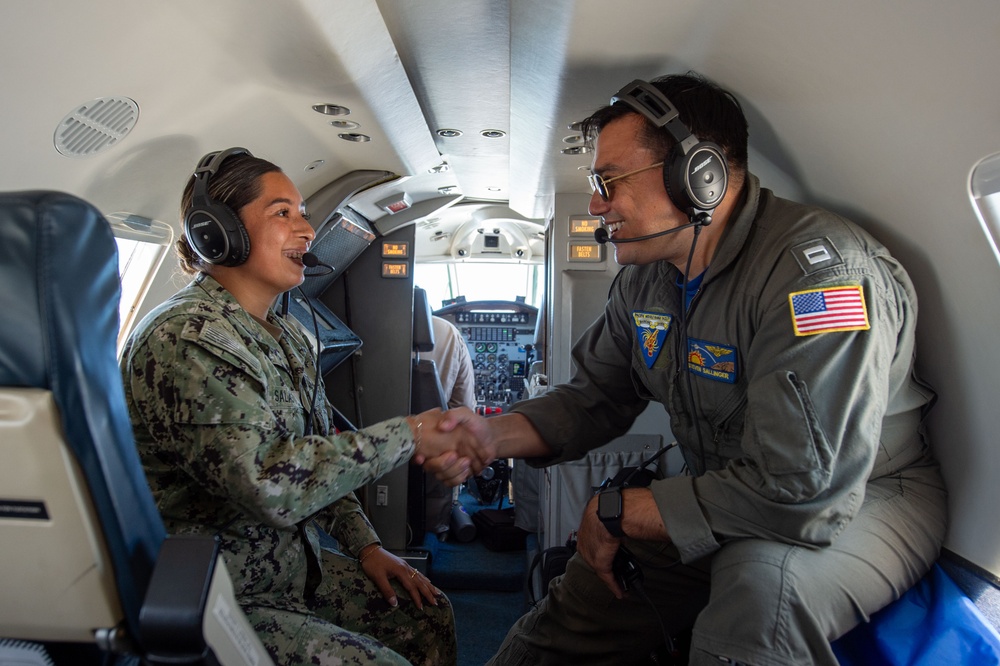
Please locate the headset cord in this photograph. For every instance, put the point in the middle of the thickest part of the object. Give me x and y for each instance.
(682, 357)
(671, 648)
(349, 321)
(311, 412)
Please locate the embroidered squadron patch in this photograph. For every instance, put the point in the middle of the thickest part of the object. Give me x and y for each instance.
(830, 309)
(651, 330)
(712, 360)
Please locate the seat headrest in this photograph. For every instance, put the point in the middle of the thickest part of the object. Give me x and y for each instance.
(423, 327)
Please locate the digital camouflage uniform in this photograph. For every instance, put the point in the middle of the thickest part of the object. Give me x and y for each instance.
(813, 500)
(217, 404)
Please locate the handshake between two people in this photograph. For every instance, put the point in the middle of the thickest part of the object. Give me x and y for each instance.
(452, 445)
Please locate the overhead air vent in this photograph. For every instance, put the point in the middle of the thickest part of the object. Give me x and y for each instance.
(96, 126)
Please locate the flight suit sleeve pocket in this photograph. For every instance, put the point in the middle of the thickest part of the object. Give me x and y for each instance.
(786, 439)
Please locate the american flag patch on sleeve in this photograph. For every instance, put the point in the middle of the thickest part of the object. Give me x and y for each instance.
(830, 309)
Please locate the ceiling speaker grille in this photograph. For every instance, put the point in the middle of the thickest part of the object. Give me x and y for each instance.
(96, 126)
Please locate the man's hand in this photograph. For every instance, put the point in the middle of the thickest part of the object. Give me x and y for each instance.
(640, 520)
(452, 470)
(474, 423)
(597, 547)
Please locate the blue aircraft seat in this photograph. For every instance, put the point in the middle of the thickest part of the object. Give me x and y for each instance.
(933, 623)
(87, 572)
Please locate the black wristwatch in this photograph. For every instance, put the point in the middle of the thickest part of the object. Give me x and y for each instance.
(609, 510)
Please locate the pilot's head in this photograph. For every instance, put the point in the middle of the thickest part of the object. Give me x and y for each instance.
(708, 111)
(669, 158)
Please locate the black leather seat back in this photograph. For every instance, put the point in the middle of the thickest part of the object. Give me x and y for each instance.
(426, 391)
(59, 294)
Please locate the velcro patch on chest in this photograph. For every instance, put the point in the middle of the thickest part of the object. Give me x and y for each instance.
(651, 331)
(829, 309)
(712, 360)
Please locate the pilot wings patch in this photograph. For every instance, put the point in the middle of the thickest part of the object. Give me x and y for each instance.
(830, 309)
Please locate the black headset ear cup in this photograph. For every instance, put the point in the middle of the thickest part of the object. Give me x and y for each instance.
(213, 229)
(217, 234)
(698, 179)
(673, 178)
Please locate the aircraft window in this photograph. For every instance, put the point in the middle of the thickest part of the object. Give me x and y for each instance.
(480, 282)
(142, 244)
(984, 188)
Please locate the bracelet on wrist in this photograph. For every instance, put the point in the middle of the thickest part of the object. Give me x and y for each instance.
(365, 554)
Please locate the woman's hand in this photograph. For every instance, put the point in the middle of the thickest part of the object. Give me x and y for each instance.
(381, 566)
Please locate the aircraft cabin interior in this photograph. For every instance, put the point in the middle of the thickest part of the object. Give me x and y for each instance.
(438, 148)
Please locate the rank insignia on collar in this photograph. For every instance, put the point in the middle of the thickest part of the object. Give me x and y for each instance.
(651, 330)
(712, 360)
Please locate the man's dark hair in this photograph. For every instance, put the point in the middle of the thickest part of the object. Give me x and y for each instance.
(711, 113)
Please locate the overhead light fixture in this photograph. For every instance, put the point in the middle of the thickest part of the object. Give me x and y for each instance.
(331, 109)
(440, 168)
(449, 133)
(345, 124)
(573, 139)
(395, 204)
(575, 127)
(493, 133)
(494, 189)
(355, 136)
(312, 166)
(447, 189)
(575, 150)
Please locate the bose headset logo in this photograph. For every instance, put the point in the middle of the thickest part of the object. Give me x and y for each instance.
(701, 166)
(201, 224)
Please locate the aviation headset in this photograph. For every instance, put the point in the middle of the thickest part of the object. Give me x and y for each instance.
(695, 173)
(214, 230)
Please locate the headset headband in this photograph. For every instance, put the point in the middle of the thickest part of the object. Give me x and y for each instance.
(650, 102)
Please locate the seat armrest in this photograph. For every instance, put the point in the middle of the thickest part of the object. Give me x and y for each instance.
(190, 614)
(171, 617)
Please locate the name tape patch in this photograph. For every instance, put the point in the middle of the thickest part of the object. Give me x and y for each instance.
(712, 360)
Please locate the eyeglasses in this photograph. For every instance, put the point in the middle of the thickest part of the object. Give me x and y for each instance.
(599, 183)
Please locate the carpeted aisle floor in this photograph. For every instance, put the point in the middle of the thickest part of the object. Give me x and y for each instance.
(486, 588)
(482, 619)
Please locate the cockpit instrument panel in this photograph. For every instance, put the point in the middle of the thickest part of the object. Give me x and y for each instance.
(501, 340)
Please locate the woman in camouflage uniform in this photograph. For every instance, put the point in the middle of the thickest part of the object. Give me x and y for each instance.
(219, 390)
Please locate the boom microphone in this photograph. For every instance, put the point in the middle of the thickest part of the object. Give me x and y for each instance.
(601, 233)
(310, 260)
